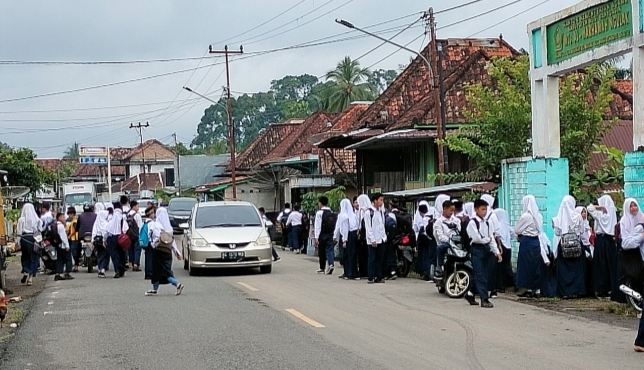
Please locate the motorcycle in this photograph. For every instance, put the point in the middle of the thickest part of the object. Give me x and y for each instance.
(633, 297)
(457, 272)
(88, 253)
(49, 256)
(406, 254)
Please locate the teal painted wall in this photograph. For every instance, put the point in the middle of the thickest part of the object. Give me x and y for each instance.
(546, 179)
(634, 176)
(536, 48)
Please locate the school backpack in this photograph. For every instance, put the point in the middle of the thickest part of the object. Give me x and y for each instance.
(466, 241)
(329, 219)
(133, 228)
(165, 242)
(404, 223)
(570, 245)
(284, 218)
(363, 228)
(50, 234)
(391, 227)
(144, 236)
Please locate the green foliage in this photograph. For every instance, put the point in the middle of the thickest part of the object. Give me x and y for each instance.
(381, 79)
(23, 170)
(350, 82)
(310, 200)
(65, 170)
(13, 215)
(214, 148)
(587, 187)
(72, 152)
(501, 117)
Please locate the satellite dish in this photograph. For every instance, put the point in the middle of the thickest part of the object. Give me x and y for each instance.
(14, 192)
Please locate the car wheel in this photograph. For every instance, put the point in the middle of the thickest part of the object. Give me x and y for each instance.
(185, 262)
(266, 269)
(191, 270)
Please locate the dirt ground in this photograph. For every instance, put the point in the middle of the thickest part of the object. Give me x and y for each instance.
(22, 293)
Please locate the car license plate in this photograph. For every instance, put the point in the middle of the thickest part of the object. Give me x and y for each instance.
(232, 256)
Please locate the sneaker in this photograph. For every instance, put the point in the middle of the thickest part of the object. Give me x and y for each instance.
(117, 276)
(151, 292)
(277, 259)
(24, 278)
(379, 281)
(486, 304)
(101, 275)
(341, 276)
(179, 289)
(69, 277)
(330, 270)
(369, 281)
(136, 268)
(58, 277)
(320, 271)
(471, 300)
(393, 276)
(494, 294)
(297, 251)
(29, 281)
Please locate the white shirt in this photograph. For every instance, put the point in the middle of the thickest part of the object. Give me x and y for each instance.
(442, 232)
(526, 226)
(375, 226)
(482, 235)
(635, 240)
(597, 215)
(24, 229)
(294, 219)
(156, 237)
(117, 224)
(137, 218)
(47, 218)
(63, 235)
(286, 211)
(318, 221)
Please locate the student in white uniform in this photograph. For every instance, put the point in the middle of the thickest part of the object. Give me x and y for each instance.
(531, 254)
(605, 256)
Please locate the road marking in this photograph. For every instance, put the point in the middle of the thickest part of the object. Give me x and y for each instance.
(47, 312)
(50, 303)
(54, 293)
(307, 320)
(251, 288)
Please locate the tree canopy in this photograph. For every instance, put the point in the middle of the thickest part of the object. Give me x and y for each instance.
(501, 117)
(22, 170)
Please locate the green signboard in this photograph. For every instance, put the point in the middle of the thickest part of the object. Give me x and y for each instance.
(589, 29)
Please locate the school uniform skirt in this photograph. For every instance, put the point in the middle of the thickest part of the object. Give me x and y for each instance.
(529, 263)
(161, 267)
(571, 275)
(604, 263)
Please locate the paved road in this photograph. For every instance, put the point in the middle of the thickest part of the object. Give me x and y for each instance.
(295, 319)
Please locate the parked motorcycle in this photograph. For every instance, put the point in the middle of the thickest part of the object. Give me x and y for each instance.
(406, 254)
(49, 256)
(633, 297)
(89, 256)
(457, 272)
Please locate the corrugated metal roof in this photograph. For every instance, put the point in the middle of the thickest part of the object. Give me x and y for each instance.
(620, 137)
(200, 169)
(434, 190)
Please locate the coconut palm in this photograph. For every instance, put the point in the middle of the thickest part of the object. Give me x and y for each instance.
(72, 152)
(348, 83)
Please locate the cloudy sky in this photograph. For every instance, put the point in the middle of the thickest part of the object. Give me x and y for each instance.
(34, 113)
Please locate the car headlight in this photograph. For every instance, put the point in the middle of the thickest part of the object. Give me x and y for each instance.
(199, 243)
(263, 240)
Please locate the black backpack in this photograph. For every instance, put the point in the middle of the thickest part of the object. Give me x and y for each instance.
(363, 229)
(465, 237)
(51, 234)
(404, 223)
(284, 218)
(133, 228)
(328, 221)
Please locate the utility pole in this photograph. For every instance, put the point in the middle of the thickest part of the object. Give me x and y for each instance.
(433, 50)
(178, 164)
(140, 128)
(231, 129)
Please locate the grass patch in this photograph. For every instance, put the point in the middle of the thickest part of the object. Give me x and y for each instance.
(547, 300)
(414, 275)
(619, 309)
(12, 259)
(15, 315)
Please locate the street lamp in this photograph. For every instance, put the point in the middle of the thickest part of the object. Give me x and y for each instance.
(231, 142)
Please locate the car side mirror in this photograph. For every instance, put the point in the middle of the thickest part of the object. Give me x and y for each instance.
(184, 226)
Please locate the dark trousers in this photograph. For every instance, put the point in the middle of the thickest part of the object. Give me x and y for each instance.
(275, 255)
(441, 249)
(27, 255)
(481, 256)
(148, 262)
(376, 255)
(103, 258)
(350, 261)
(64, 261)
(294, 237)
(286, 235)
(390, 261)
(75, 250)
(424, 255)
(117, 254)
(506, 268)
(325, 250)
(134, 254)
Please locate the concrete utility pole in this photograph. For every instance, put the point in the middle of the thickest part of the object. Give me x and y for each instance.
(140, 128)
(431, 28)
(178, 164)
(231, 129)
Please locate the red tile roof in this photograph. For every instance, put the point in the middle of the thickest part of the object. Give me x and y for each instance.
(338, 160)
(265, 142)
(117, 154)
(89, 170)
(147, 181)
(50, 164)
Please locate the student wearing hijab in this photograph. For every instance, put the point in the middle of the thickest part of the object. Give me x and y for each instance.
(531, 257)
(346, 234)
(504, 275)
(588, 248)
(364, 203)
(495, 280)
(635, 240)
(162, 262)
(468, 209)
(99, 233)
(419, 217)
(424, 213)
(631, 217)
(571, 271)
(605, 256)
(29, 224)
(115, 227)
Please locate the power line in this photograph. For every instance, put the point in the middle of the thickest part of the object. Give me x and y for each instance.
(509, 18)
(391, 38)
(101, 62)
(479, 15)
(457, 7)
(262, 24)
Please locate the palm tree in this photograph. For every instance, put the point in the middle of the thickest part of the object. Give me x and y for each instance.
(349, 83)
(72, 152)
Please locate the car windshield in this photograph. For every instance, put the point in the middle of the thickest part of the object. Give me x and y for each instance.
(78, 199)
(227, 216)
(182, 205)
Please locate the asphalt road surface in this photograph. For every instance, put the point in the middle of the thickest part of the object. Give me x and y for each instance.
(296, 319)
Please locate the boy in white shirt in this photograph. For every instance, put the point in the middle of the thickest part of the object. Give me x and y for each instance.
(446, 226)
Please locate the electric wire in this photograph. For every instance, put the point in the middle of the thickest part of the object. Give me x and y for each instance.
(509, 18)
(479, 15)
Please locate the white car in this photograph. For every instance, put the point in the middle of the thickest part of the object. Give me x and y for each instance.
(226, 235)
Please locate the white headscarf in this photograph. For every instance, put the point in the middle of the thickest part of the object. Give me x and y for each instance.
(108, 205)
(162, 221)
(530, 206)
(608, 223)
(101, 221)
(99, 207)
(346, 213)
(628, 221)
(364, 203)
(30, 217)
(438, 204)
(567, 220)
(488, 199)
(418, 219)
(504, 224)
(468, 208)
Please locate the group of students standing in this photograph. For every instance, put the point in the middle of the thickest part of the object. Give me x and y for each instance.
(107, 223)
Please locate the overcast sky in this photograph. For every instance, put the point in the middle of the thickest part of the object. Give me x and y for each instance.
(75, 31)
